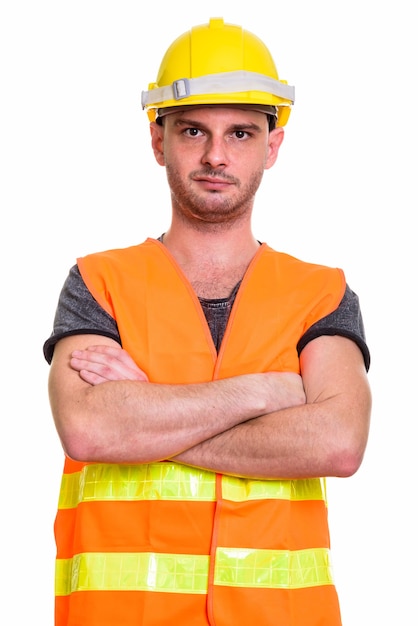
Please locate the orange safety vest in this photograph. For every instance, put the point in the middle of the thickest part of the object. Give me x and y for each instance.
(164, 543)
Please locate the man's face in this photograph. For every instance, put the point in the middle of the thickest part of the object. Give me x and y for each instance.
(215, 158)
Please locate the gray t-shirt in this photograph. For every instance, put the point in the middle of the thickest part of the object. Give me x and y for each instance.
(79, 313)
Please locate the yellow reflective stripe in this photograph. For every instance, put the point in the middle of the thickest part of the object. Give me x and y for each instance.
(154, 481)
(183, 573)
(63, 577)
(171, 481)
(170, 573)
(239, 490)
(283, 569)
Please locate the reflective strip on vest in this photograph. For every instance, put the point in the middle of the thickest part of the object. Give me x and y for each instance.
(182, 573)
(133, 572)
(277, 569)
(241, 489)
(170, 481)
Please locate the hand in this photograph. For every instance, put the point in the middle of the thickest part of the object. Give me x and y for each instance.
(102, 363)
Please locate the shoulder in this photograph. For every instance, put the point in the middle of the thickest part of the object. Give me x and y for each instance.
(346, 321)
(118, 256)
(300, 270)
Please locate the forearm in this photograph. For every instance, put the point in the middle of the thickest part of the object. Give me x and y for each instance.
(326, 436)
(140, 422)
(131, 421)
(298, 442)
(106, 410)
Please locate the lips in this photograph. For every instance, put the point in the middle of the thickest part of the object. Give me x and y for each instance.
(218, 182)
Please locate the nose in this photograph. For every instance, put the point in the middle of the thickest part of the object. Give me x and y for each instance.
(215, 154)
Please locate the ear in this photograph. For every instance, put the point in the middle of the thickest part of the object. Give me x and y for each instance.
(157, 142)
(275, 139)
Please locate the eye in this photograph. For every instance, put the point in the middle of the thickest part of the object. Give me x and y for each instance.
(241, 134)
(192, 132)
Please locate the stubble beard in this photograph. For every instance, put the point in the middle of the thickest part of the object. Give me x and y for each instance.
(212, 208)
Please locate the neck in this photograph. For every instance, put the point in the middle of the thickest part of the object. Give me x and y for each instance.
(223, 246)
(212, 261)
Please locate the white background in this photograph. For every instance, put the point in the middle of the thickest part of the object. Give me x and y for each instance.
(78, 175)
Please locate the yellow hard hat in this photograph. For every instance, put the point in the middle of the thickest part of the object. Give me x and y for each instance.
(218, 63)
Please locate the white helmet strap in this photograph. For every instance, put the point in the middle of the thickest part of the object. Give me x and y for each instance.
(226, 82)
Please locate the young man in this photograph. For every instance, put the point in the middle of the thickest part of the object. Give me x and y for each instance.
(203, 384)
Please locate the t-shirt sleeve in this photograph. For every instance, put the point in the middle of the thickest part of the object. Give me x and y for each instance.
(346, 321)
(78, 313)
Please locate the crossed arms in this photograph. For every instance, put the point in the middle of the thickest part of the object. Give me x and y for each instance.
(265, 425)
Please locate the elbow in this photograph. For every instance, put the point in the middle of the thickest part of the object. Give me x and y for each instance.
(349, 444)
(78, 446)
(347, 465)
(346, 459)
(77, 437)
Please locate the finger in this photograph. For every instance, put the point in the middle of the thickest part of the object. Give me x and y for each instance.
(94, 359)
(105, 349)
(104, 354)
(114, 363)
(103, 369)
(119, 354)
(107, 368)
(91, 377)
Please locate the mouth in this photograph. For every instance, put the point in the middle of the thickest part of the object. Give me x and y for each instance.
(213, 183)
